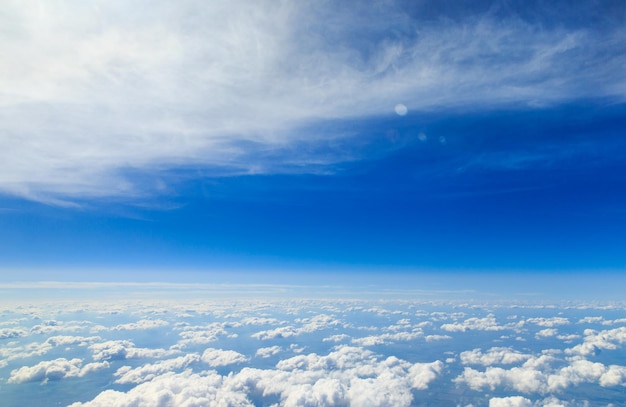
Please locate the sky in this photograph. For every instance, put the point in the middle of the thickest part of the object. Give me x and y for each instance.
(142, 140)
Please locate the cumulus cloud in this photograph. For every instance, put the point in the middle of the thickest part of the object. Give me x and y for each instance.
(201, 335)
(173, 389)
(260, 321)
(494, 356)
(487, 323)
(54, 370)
(537, 375)
(433, 338)
(323, 365)
(280, 332)
(65, 340)
(308, 325)
(10, 352)
(595, 341)
(347, 376)
(268, 351)
(219, 357)
(336, 338)
(546, 333)
(513, 401)
(94, 93)
(53, 326)
(386, 338)
(549, 322)
(149, 371)
(614, 376)
(123, 349)
(7, 333)
(140, 325)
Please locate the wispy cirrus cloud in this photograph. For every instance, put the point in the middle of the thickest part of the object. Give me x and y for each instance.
(102, 99)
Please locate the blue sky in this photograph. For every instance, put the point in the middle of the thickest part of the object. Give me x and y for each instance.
(312, 137)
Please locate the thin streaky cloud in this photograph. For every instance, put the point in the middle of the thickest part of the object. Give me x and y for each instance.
(96, 93)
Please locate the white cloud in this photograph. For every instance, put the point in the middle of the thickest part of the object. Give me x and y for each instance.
(513, 401)
(348, 376)
(10, 352)
(549, 322)
(149, 371)
(386, 338)
(93, 92)
(143, 324)
(53, 326)
(24, 351)
(340, 375)
(579, 371)
(268, 351)
(494, 356)
(173, 389)
(336, 338)
(487, 323)
(308, 325)
(546, 333)
(552, 402)
(537, 375)
(280, 332)
(122, 349)
(433, 338)
(65, 340)
(614, 376)
(261, 321)
(7, 333)
(591, 320)
(568, 338)
(201, 335)
(604, 340)
(54, 370)
(219, 357)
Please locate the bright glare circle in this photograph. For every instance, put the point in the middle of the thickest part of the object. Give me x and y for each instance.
(401, 109)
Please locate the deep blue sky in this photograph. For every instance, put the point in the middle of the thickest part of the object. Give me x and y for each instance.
(202, 153)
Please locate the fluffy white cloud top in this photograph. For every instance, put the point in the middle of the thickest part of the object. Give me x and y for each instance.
(201, 335)
(56, 369)
(142, 324)
(123, 349)
(220, 357)
(513, 401)
(346, 376)
(548, 322)
(268, 351)
(594, 341)
(6, 333)
(14, 351)
(184, 389)
(342, 352)
(538, 376)
(488, 323)
(149, 371)
(494, 356)
(307, 325)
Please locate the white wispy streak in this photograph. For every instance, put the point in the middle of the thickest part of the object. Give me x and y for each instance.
(95, 96)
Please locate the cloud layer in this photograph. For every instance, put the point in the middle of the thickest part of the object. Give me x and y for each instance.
(337, 352)
(99, 98)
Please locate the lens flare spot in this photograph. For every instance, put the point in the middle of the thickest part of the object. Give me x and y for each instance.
(401, 109)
